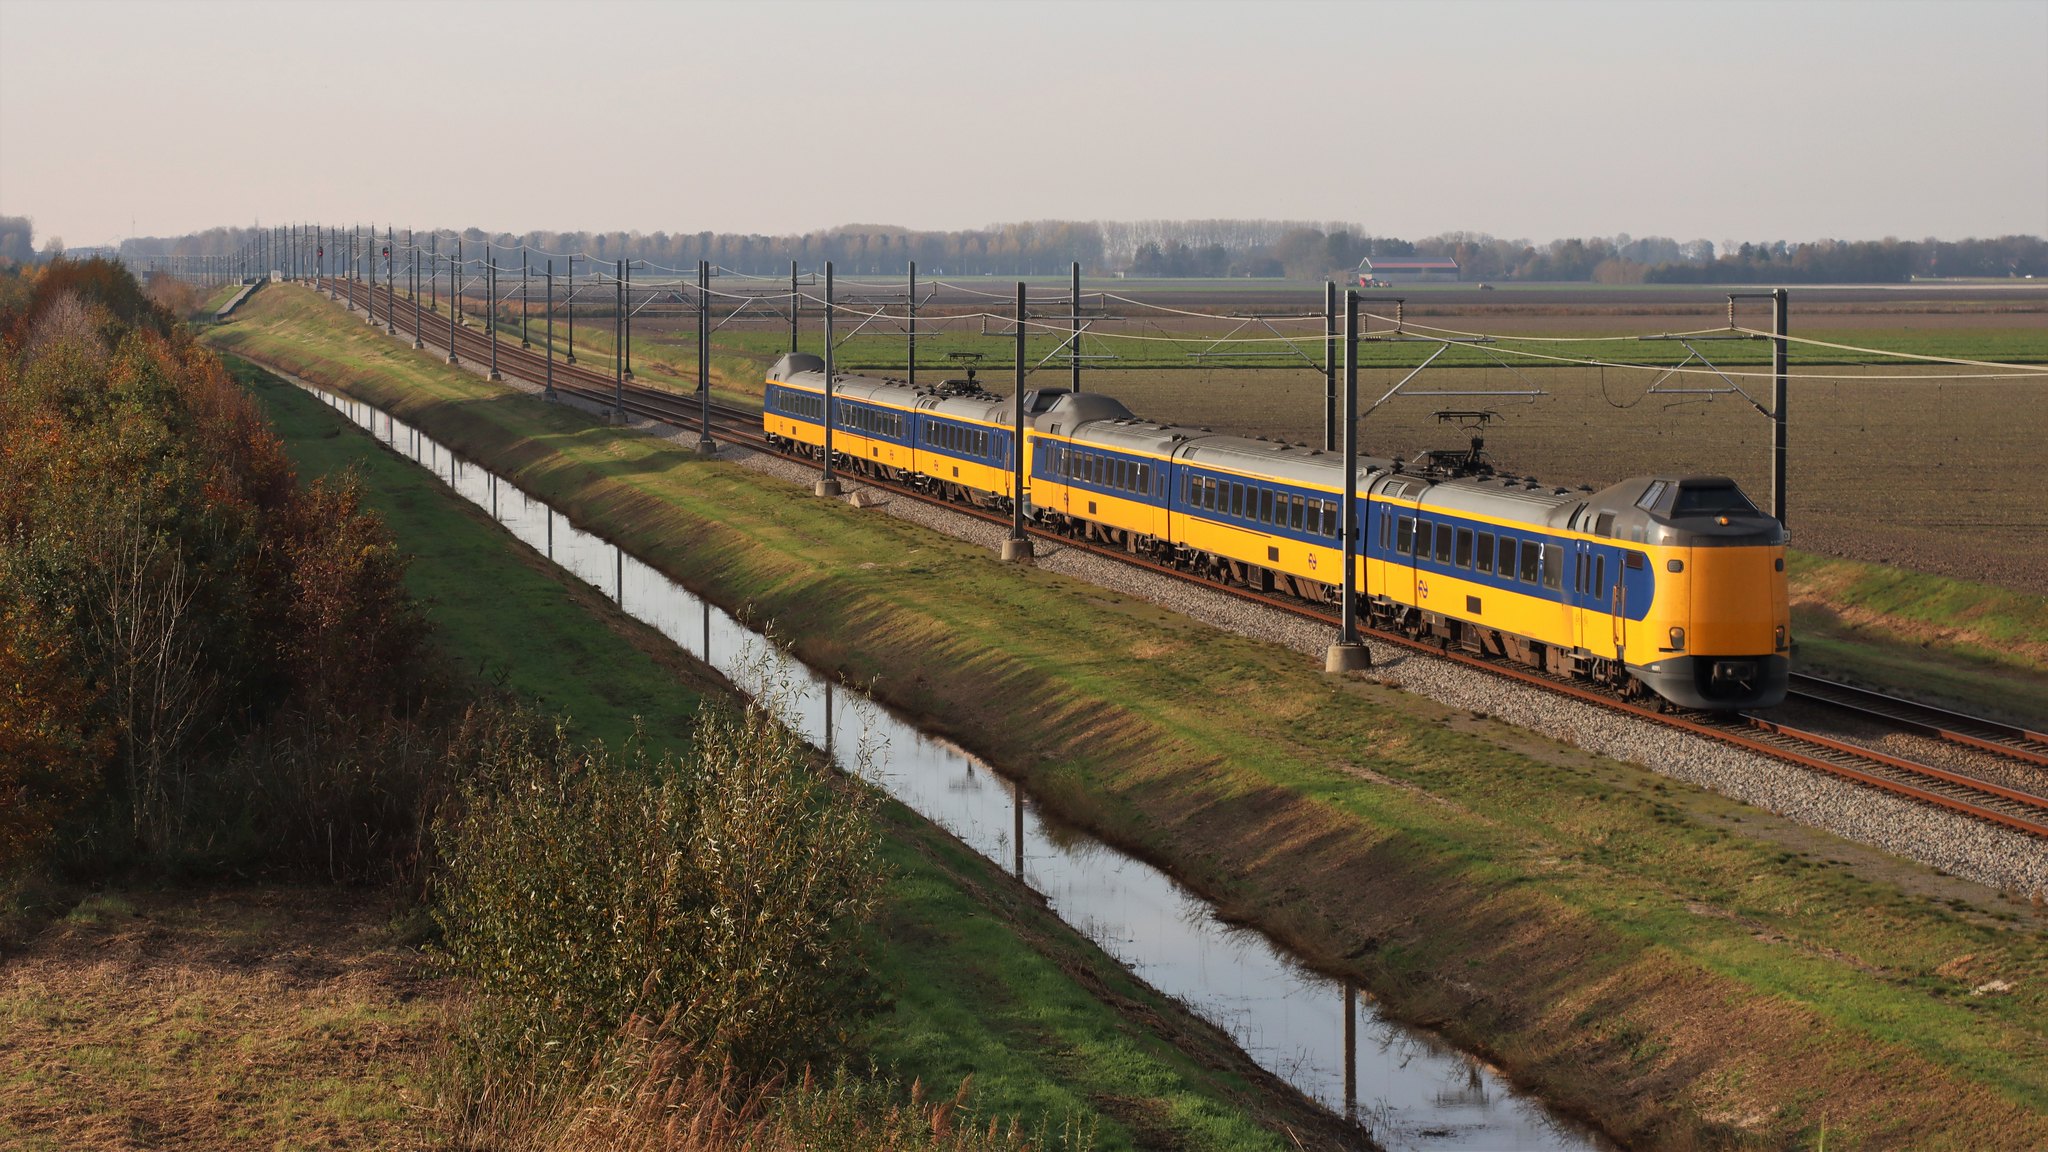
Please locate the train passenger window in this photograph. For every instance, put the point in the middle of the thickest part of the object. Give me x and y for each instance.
(1145, 479)
(1331, 512)
(1532, 553)
(1237, 500)
(1293, 518)
(1482, 558)
(1265, 505)
(1424, 535)
(1600, 577)
(1553, 560)
(1386, 531)
(1444, 538)
(1505, 558)
(1312, 521)
(1464, 547)
(1404, 536)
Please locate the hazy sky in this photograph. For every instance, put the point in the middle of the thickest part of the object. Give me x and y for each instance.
(1720, 120)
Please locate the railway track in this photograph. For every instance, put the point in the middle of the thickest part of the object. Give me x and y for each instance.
(2008, 740)
(1939, 787)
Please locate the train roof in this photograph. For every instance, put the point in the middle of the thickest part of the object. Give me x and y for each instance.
(1508, 498)
(1280, 460)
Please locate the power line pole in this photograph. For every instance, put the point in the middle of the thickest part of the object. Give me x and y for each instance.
(569, 305)
(414, 292)
(525, 307)
(1329, 365)
(1074, 330)
(795, 304)
(549, 391)
(1018, 546)
(705, 443)
(827, 485)
(913, 324)
(618, 351)
(1348, 654)
(1780, 354)
(490, 330)
(454, 301)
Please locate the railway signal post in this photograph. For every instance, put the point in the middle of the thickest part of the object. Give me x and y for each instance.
(1348, 654)
(1018, 546)
(705, 443)
(827, 485)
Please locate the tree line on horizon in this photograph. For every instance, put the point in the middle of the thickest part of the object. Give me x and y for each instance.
(1293, 249)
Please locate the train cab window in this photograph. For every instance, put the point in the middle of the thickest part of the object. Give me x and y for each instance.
(1443, 543)
(1632, 559)
(1532, 556)
(1404, 536)
(1553, 562)
(1482, 557)
(1464, 547)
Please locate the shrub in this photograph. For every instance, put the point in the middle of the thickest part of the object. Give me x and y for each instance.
(719, 894)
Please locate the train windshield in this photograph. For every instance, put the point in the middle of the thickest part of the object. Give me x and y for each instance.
(1714, 500)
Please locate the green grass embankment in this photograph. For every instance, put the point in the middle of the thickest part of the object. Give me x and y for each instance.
(1677, 965)
(978, 978)
(1969, 646)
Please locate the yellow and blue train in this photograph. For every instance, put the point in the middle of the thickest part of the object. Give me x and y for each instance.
(1665, 585)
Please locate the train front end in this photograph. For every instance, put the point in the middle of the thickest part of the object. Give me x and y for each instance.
(1725, 629)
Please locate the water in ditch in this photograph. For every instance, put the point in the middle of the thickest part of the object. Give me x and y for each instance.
(1406, 1088)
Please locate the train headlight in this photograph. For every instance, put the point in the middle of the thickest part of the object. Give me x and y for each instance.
(1779, 637)
(1678, 639)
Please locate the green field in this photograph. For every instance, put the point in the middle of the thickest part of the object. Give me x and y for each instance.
(1680, 966)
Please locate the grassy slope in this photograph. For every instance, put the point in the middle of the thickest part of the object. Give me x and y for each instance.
(1948, 641)
(1643, 952)
(982, 980)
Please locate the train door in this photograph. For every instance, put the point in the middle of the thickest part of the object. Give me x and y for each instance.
(1399, 578)
(1594, 583)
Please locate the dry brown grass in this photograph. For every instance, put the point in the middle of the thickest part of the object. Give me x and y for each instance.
(264, 1017)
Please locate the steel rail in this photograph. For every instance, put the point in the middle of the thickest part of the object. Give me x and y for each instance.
(1926, 784)
(2011, 740)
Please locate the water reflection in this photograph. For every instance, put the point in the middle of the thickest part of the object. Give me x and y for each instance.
(1407, 1088)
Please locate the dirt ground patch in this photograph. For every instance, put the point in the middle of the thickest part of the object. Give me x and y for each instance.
(260, 1017)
